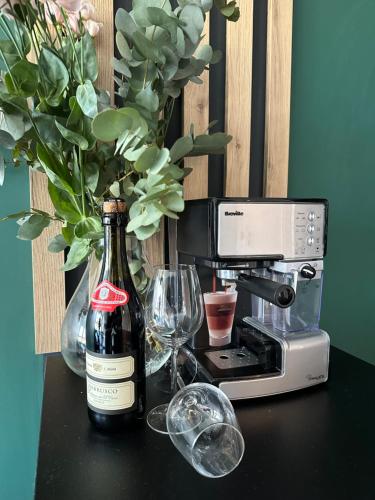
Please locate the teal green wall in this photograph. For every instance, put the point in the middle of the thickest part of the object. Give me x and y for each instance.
(332, 155)
(21, 371)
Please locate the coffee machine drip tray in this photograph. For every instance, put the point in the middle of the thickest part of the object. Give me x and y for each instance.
(251, 354)
(228, 359)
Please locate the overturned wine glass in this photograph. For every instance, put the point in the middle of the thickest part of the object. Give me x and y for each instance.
(174, 313)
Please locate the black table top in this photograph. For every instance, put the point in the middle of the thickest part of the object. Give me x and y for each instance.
(314, 444)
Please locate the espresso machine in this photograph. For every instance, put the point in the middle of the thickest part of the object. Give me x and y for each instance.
(271, 251)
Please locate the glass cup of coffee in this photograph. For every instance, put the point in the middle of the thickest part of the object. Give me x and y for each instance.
(220, 307)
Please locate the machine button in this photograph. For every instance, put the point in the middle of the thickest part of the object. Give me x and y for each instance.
(311, 216)
(310, 228)
(310, 241)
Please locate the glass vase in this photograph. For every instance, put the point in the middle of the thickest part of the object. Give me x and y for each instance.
(73, 330)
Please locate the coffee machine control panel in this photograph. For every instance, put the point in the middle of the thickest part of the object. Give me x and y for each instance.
(293, 230)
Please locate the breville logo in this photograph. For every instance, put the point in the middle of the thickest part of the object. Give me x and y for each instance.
(315, 377)
(236, 213)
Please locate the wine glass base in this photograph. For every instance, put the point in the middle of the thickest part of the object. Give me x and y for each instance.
(157, 419)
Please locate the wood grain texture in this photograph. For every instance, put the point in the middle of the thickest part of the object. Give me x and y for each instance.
(105, 45)
(48, 280)
(238, 100)
(196, 111)
(154, 247)
(278, 88)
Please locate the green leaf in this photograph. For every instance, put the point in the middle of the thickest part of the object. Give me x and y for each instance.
(121, 66)
(13, 124)
(193, 18)
(137, 222)
(148, 99)
(22, 79)
(210, 144)
(132, 154)
(153, 158)
(125, 23)
(89, 228)
(53, 75)
(86, 98)
(123, 46)
(230, 10)
(54, 170)
(63, 204)
(72, 137)
(32, 227)
(147, 48)
(111, 123)
(75, 116)
(85, 49)
(79, 251)
(145, 232)
(57, 244)
(171, 63)
(91, 173)
(173, 202)
(205, 53)
(68, 233)
(6, 140)
(181, 148)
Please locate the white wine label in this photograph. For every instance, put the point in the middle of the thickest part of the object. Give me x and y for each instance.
(107, 297)
(109, 368)
(115, 396)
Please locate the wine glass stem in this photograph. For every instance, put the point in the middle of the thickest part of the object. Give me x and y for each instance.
(174, 370)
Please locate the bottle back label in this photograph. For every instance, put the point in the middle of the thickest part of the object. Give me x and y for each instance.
(107, 297)
(109, 389)
(110, 398)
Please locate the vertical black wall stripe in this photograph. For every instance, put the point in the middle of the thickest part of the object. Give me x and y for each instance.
(258, 96)
(216, 163)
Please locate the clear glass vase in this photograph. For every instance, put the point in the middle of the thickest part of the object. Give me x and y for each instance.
(73, 330)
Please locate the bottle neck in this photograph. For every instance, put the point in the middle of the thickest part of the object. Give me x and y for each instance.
(115, 264)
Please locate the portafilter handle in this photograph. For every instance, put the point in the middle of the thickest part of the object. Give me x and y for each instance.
(277, 293)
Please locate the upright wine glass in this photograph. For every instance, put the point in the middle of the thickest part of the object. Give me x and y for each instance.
(174, 312)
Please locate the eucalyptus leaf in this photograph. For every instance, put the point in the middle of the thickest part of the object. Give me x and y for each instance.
(145, 232)
(125, 23)
(78, 253)
(33, 227)
(123, 46)
(181, 148)
(147, 48)
(57, 244)
(86, 98)
(173, 202)
(153, 158)
(192, 17)
(148, 99)
(121, 66)
(210, 144)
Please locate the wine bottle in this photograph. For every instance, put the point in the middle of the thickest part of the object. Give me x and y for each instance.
(115, 333)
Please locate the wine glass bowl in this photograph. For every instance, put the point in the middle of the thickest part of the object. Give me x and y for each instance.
(174, 306)
(174, 312)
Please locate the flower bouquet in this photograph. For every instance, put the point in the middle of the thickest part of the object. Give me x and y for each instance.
(54, 119)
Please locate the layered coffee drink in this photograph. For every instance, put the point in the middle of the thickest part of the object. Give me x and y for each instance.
(220, 307)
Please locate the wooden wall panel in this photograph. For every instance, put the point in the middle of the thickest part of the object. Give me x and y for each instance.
(48, 280)
(238, 100)
(196, 111)
(105, 44)
(278, 87)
